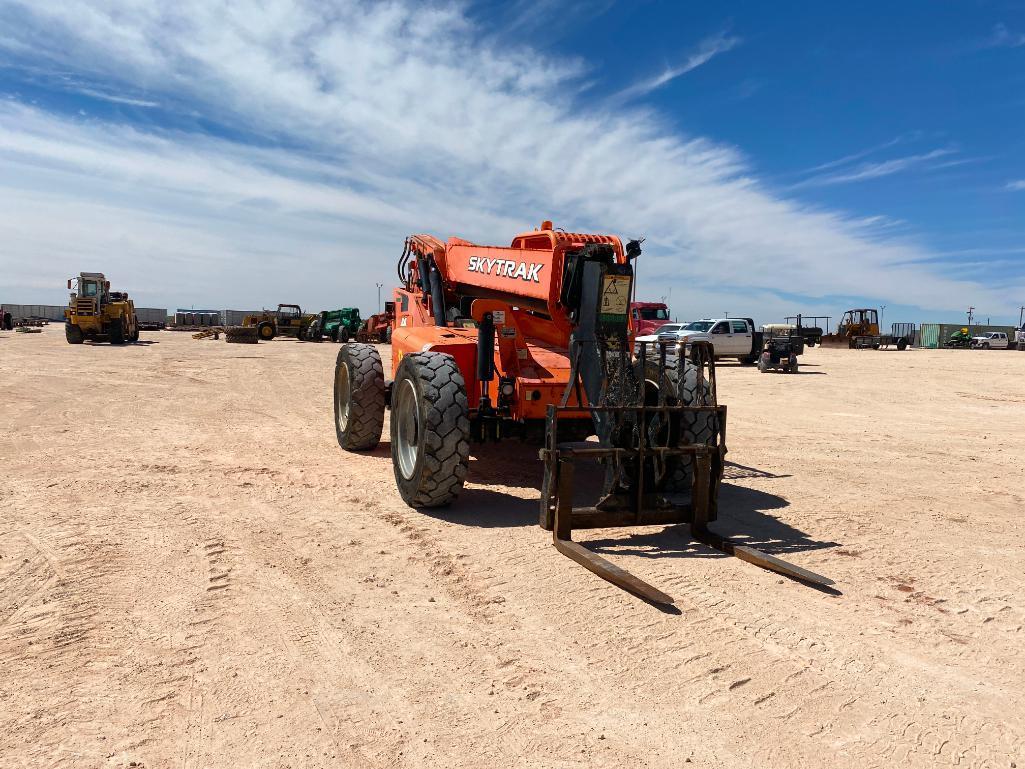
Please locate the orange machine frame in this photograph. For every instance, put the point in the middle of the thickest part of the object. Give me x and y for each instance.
(521, 287)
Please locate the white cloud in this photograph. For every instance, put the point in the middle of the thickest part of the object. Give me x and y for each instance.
(1016, 185)
(373, 121)
(705, 52)
(1002, 37)
(878, 169)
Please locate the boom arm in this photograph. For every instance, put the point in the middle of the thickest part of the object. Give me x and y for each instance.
(529, 274)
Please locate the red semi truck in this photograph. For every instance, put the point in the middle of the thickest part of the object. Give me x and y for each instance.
(648, 317)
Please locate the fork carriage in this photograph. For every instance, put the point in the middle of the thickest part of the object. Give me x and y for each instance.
(663, 441)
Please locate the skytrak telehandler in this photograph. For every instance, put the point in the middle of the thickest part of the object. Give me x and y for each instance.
(378, 328)
(533, 339)
(96, 313)
(338, 325)
(287, 320)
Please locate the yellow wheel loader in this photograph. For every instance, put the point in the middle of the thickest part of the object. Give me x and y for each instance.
(98, 314)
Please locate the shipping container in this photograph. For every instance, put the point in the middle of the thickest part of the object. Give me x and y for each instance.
(235, 317)
(151, 318)
(48, 311)
(935, 335)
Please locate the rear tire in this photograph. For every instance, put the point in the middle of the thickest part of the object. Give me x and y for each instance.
(73, 334)
(902, 344)
(359, 397)
(266, 331)
(430, 429)
(342, 334)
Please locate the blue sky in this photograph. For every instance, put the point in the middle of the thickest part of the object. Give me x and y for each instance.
(778, 157)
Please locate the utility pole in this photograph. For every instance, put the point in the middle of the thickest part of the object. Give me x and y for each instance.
(379, 286)
(1021, 316)
(882, 316)
(970, 311)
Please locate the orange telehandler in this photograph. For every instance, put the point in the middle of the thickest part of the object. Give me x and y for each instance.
(534, 340)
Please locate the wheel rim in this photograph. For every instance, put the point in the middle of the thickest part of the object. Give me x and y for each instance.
(343, 393)
(406, 412)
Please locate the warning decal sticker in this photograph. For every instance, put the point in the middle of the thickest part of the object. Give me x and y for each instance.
(615, 295)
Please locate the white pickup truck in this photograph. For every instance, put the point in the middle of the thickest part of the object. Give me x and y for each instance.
(730, 337)
(996, 340)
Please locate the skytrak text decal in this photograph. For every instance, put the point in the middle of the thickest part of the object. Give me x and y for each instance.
(503, 268)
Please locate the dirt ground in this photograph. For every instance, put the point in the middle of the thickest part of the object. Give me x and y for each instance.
(193, 574)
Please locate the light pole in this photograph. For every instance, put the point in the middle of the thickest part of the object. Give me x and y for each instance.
(379, 286)
(1021, 317)
(882, 316)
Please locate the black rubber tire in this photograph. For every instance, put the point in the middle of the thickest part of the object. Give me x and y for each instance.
(749, 360)
(134, 335)
(902, 344)
(810, 342)
(985, 345)
(241, 335)
(442, 429)
(7, 321)
(700, 427)
(343, 334)
(73, 334)
(334, 334)
(117, 332)
(266, 330)
(313, 332)
(359, 397)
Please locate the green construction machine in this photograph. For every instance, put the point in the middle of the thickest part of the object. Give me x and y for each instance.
(960, 339)
(338, 325)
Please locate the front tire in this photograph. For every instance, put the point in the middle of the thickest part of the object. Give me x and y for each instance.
(117, 332)
(430, 429)
(73, 334)
(359, 397)
(342, 334)
(694, 427)
(985, 345)
(265, 331)
(313, 332)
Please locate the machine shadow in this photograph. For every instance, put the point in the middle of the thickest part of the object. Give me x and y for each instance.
(744, 517)
(745, 514)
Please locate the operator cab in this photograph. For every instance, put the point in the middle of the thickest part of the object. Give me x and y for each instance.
(859, 319)
(90, 285)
